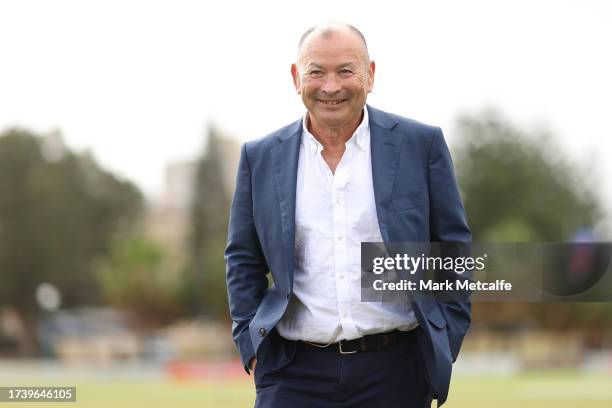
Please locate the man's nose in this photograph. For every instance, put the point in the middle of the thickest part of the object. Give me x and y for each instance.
(331, 84)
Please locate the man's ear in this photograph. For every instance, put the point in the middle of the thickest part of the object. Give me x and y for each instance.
(296, 78)
(371, 70)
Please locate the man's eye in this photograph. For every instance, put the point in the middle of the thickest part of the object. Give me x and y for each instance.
(316, 73)
(346, 72)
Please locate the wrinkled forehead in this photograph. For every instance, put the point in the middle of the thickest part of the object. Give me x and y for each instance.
(332, 47)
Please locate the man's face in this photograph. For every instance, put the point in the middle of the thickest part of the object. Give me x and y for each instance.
(333, 76)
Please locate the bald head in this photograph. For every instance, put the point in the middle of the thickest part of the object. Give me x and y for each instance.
(327, 31)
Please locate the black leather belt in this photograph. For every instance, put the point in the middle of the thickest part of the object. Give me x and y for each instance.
(370, 342)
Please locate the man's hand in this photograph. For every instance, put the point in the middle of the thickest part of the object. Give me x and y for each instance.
(252, 363)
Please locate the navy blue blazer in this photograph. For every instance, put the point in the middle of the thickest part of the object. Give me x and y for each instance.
(417, 200)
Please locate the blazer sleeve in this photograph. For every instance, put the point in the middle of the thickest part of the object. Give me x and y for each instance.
(246, 267)
(448, 225)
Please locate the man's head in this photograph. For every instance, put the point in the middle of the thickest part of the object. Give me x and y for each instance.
(333, 74)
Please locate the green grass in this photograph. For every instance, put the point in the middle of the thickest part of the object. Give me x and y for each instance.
(534, 390)
(559, 390)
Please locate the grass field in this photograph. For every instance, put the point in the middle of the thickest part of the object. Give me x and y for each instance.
(535, 390)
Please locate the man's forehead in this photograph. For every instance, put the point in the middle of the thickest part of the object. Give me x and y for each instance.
(337, 51)
(339, 37)
(331, 45)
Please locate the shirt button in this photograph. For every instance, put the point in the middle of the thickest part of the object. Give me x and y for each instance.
(341, 277)
(340, 238)
(262, 332)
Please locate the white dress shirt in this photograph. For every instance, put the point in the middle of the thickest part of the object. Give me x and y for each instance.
(334, 213)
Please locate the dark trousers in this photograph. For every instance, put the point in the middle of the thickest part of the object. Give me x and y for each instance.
(387, 378)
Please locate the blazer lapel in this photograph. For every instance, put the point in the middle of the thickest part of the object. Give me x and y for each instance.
(285, 156)
(385, 157)
(385, 149)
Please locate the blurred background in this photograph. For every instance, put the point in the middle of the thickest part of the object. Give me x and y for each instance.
(120, 129)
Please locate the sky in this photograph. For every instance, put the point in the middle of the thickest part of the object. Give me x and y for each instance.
(138, 82)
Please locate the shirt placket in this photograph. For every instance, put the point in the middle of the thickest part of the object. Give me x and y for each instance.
(340, 228)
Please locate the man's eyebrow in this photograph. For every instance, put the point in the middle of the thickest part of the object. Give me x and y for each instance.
(344, 65)
(314, 65)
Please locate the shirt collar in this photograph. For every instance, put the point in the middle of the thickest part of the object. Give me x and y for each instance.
(361, 136)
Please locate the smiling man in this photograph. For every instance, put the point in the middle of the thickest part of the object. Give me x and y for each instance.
(306, 196)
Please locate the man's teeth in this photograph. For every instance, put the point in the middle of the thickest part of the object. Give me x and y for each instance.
(332, 102)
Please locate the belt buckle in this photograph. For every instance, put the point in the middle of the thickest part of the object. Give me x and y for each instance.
(342, 351)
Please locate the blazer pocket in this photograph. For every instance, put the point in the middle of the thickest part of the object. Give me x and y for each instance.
(407, 201)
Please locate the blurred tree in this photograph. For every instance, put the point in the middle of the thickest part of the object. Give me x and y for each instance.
(58, 210)
(518, 187)
(140, 276)
(205, 289)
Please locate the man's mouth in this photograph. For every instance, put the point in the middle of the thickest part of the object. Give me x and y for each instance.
(333, 102)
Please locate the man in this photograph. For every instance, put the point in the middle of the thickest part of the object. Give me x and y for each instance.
(306, 196)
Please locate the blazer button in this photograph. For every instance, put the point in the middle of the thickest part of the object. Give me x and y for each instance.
(262, 332)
